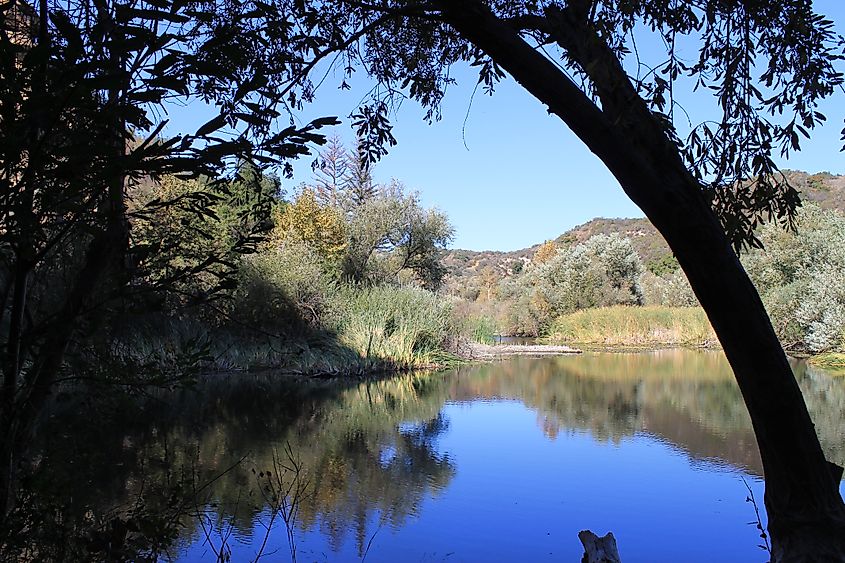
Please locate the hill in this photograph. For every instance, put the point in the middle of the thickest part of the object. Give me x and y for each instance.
(470, 271)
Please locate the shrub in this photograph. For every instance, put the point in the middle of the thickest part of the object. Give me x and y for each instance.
(670, 289)
(663, 266)
(801, 278)
(602, 271)
(471, 321)
(286, 287)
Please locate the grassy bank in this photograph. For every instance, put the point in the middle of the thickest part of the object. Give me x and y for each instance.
(363, 330)
(833, 361)
(635, 327)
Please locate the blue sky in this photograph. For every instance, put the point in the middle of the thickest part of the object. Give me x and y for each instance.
(509, 175)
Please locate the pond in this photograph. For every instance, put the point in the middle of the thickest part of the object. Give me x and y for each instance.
(497, 462)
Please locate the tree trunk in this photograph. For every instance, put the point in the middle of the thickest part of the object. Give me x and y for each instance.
(599, 549)
(10, 383)
(805, 510)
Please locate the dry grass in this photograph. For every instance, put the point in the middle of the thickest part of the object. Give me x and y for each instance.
(641, 327)
(403, 325)
(833, 361)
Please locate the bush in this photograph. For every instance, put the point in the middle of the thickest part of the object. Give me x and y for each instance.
(671, 289)
(473, 321)
(603, 271)
(286, 287)
(663, 266)
(801, 278)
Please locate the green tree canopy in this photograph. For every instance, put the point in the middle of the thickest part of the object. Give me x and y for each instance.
(800, 277)
(391, 235)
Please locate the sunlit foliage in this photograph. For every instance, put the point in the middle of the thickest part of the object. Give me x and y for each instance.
(603, 270)
(801, 277)
(319, 226)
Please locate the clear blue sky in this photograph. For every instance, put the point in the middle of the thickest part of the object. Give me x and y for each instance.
(511, 175)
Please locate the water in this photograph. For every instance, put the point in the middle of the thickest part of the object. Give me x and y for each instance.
(499, 462)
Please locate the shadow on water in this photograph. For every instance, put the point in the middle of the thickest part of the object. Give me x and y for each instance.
(369, 450)
(206, 446)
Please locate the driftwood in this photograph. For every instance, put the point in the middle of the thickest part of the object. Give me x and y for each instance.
(599, 549)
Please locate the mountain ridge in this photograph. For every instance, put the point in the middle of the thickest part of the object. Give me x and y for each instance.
(823, 189)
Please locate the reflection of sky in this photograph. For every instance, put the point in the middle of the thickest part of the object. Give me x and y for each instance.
(520, 496)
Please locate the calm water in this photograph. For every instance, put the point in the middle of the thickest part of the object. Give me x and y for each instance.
(500, 462)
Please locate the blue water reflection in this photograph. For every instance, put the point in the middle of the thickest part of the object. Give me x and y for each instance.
(655, 449)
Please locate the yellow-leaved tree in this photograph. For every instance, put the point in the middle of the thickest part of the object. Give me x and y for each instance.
(320, 226)
(546, 252)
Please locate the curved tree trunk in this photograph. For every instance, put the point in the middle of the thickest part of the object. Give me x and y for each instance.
(805, 510)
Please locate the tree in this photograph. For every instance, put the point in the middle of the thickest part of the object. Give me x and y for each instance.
(546, 252)
(706, 192)
(602, 271)
(489, 278)
(391, 233)
(331, 171)
(187, 236)
(359, 183)
(321, 227)
(84, 87)
(801, 277)
(343, 177)
(247, 203)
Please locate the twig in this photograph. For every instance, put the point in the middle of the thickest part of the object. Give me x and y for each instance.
(750, 498)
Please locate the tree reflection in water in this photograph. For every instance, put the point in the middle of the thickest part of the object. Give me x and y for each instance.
(368, 449)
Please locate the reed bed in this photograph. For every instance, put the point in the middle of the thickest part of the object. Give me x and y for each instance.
(637, 327)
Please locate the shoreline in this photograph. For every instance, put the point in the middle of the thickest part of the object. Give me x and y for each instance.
(470, 352)
(478, 351)
(646, 347)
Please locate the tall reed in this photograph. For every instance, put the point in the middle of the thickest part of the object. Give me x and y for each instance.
(624, 326)
(405, 325)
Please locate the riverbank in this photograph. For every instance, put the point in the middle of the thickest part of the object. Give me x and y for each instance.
(330, 359)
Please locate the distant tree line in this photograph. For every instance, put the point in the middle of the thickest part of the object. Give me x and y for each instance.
(800, 275)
